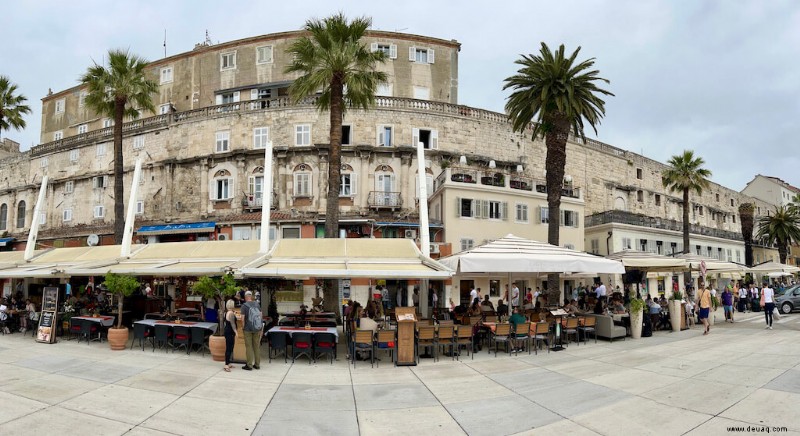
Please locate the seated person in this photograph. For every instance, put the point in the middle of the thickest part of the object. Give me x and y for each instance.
(517, 319)
(528, 305)
(486, 304)
(475, 309)
(4, 316)
(502, 308)
(618, 307)
(368, 323)
(598, 308)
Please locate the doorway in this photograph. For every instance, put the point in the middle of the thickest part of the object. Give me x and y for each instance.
(465, 286)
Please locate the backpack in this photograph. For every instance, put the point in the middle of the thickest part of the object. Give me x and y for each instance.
(254, 317)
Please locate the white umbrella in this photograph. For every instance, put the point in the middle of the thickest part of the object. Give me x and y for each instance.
(648, 261)
(772, 266)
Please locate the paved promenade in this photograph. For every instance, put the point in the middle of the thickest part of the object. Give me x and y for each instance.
(672, 384)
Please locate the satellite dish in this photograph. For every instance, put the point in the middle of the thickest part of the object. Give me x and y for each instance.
(92, 240)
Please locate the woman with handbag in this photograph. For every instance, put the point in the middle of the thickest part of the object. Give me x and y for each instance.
(767, 302)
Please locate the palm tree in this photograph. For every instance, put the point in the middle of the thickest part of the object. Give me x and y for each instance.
(686, 173)
(12, 106)
(118, 91)
(746, 220)
(781, 228)
(330, 59)
(557, 94)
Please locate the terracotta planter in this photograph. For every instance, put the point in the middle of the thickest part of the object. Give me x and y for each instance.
(217, 346)
(675, 315)
(118, 338)
(636, 324)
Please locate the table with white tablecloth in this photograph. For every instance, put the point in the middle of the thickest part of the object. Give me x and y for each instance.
(153, 322)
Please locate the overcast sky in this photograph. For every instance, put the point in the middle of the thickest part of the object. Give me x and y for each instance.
(719, 77)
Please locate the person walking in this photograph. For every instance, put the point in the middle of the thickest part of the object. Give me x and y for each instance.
(231, 333)
(253, 326)
(704, 305)
(727, 304)
(768, 303)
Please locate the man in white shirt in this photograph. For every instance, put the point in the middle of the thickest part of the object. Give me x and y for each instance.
(601, 291)
(473, 294)
(515, 296)
(385, 297)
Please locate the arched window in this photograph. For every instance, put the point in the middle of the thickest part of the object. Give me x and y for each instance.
(302, 181)
(349, 186)
(21, 215)
(223, 185)
(3, 216)
(619, 204)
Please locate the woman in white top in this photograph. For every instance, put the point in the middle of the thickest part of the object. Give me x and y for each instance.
(768, 301)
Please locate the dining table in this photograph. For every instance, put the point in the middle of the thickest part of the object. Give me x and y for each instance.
(312, 330)
(211, 326)
(105, 321)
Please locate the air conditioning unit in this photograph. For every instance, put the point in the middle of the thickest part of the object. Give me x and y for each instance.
(411, 234)
(222, 237)
(434, 248)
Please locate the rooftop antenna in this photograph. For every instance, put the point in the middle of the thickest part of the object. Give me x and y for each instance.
(165, 42)
(208, 39)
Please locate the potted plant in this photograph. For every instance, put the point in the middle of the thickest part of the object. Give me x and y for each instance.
(675, 312)
(637, 317)
(217, 288)
(121, 286)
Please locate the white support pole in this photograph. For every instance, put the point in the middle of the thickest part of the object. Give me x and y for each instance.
(266, 201)
(127, 235)
(34, 232)
(424, 230)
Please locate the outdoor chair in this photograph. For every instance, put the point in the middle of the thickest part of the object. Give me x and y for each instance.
(88, 331)
(522, 335)
(490, 318)
(362, 340)
(571, 328)
(303, 344)
(446, 322)
(426, 337)
(589, 327)
(385, 341)
(446, 338)
(162, 336)
(181, 336)
(325, 343)
(198, 339)
(501, 334)
(75, 326)
(540, 335)
(278, 341)
(465, 338)
(143, 333)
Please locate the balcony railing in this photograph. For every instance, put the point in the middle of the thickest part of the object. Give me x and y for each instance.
(464, 175)
(491, 177)
(385, 200)
(522, 183)
(623, 217)
(252, 201)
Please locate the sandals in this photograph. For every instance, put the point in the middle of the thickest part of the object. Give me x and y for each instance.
(227, 368)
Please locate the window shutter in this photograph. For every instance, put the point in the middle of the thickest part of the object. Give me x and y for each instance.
(236, 97)
(392, 51)
(575, 221)
(562, 217)
(476, 208)
(105, 181)
(412, 53)
(219, 99)
(414, 137)
(458, 206)
(504, 213)
(373, 47)
(253, 94)
(380, 136)
(434, 139)
(392, 182)
(430, 55)
(353, 184)
(485, 204)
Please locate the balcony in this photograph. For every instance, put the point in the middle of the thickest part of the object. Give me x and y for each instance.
(623, 217)
(384, 200)
(464, 175)
(521, 183)
(492, 177)
(251, 201)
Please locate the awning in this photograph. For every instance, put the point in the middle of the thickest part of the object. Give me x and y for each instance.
(648, 261)
(5, 241)
(176, 229)
(712, 265)
(346, 258)
(772, 266)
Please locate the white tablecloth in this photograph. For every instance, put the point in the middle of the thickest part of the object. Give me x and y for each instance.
(315, 330)
(206, 325)
(107, 321)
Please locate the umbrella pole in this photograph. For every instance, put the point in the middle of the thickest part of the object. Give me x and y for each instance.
(510, 295)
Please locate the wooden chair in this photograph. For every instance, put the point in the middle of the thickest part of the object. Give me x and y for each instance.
(501, 334)
(362, 340)
(540, 332)
(522, 334)
(571, 328)
(589, 324)
(490, 318)
(446, 338)
(464, 337)
(426, 337)
(386, 341)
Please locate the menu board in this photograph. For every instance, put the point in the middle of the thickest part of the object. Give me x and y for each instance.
(46, 333)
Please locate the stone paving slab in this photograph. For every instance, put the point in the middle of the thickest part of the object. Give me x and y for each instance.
(433, 420)
(195, 416)
(292, 422)
(132, 405)
(501, 415)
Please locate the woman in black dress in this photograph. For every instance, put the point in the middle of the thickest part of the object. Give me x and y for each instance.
(231, 333)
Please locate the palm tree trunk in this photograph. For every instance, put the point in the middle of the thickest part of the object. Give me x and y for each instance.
(119, 185)
(555, 162)
(783, 252)
(687, 276)
(330, 293)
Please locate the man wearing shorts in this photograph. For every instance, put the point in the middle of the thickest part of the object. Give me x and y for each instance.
(704, 307)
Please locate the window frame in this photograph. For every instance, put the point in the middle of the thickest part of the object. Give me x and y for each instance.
(66, 215)
(260, 61)
(260, 138)
(523, 208)
(74, 155)
(100, 149)
(381, 136)
(223, 56)
(223, 185)
(102, 211)
(58, 135)
(302, 132)
(139, 207)
(69, 187)
(22, 209)
(293, 228)
(467, 244)
(165, 71)
(138, 142)
(83, 128)
(60, 106)
(298, 183)
(222, 137)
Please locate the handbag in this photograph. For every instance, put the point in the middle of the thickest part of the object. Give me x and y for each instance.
(761, 300)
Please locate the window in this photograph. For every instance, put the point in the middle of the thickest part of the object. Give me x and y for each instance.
(734, 218)
(595, 246)
(384, 136)
(228, 97)
(302, 134)
(467, 244)
(708, 251)
(140, 207)
(3, 216)
(100, 150)
(165, 109)
(642, 244)
(83, 128)
(465, 207)
(389, 49)
(138, 142)
(730, 255)
(99, 182)
(21, 215)
(700, 210)
(639, 174)
(731, 202)
(57, 136)
(658, 200)
(69, 187)
(60, 106)
(73, 155)
(223, 141)
(428, 138)
(384, 90)
(260, 137)
(640, 196)
(66, 215)
(346, 133)
(222, 189)
(522, 213)
(544, 217)
(241, 233)
(349, 185)
(428, 185)
(166, 75)
(255, 187)
(302, 184)
(497, 210)
(697, 249)
(569, 218)
(227, 61)
(261, 93)
(108, 122)
(738, 256)
(43, 163)
(82, 99)
(264, 54)
(717, 197)
(420, 55)
(422, 93)
(99, 211)
(626, 244)
(290, 232)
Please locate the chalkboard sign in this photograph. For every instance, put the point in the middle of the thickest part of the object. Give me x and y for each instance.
(46, 332)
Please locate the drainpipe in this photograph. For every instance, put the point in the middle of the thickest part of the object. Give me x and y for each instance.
(608, 245)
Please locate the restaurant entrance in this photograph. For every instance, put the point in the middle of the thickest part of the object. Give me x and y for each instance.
(465, 286)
